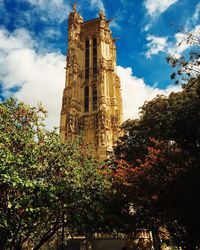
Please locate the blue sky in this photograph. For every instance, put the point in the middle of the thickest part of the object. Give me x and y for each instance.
(33, 42)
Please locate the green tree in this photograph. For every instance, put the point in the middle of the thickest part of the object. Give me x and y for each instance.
(174, 122)
(152, 122)
(45, 185)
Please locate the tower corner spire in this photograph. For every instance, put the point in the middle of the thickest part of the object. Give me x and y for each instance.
(102, 14)
(74, 7)
(74, 16)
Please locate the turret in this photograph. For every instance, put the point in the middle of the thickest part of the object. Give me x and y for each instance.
(91, 99)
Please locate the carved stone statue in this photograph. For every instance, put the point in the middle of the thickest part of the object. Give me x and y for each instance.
(72, 123)
(108, 136)
(102, 118)
(102, 14)
(103, 138)
(74, 7)
(96, 140)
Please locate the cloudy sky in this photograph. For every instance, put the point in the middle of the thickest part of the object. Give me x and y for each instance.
(33, 43)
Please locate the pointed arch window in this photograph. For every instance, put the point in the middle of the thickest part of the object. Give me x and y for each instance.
(94, 97)
(86, 98)
(94, 58)
(87, 59)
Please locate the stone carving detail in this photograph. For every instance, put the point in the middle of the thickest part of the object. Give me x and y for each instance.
(90, 33)
(102, 14)
(101, 75)
(106, 64)
(81, 123)
(108, 101)
(74, 7)
(102, 100)
(102, 118)
(113, 101)
(79, 45)
(105, 36)
(73, 123)
(100, 127)
(117, 81)
(108, 136)
(64, 102)
(96, 140)
(102, 138)
(115, 121)
(75, 68)
(70, 123)
(80, 73)
(74, 19)
(96, 122)
(75, 105)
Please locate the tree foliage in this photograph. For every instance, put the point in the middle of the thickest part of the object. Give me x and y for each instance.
(187, 64)
(45, 185)
(157, 164)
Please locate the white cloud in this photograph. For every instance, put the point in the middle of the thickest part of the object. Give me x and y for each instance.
(53, 9)
(156, 7)
(155, 45)
(40, 76)
(196, 31)
(17, 40)
(135, 92)
(147, 26)
(114, 25)
(52, 33)
(196, 14)
(97, 4)
(180, 45)
(182, 41)
(1, 4)
(193, 19)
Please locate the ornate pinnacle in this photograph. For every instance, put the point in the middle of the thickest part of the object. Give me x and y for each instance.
(74, 7)
(102, 14)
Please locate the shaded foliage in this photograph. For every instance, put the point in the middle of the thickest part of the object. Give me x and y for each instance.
(157, 165)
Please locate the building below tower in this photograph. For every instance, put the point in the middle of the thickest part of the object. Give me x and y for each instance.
(92, 104)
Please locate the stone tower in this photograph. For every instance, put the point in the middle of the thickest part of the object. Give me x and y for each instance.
(92, 104)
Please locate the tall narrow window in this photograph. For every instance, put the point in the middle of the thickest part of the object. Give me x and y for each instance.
(87, 59)
(94, 58)
(94, 97)
(86, 99)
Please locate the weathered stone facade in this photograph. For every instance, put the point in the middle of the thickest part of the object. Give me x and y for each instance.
(92, 104)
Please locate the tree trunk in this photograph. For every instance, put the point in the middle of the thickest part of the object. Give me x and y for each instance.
(63, 233)
(44, 240)
(156, 238)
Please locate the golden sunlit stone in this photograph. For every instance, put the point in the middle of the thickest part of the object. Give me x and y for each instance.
(92, 104)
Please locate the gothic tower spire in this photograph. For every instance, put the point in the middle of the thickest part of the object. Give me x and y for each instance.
(92, 104)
